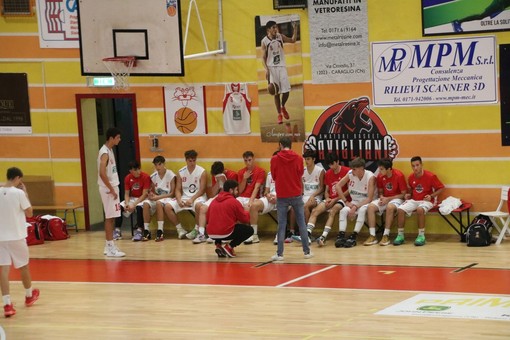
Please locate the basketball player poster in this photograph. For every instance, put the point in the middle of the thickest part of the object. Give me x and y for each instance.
(185, 109)
(280, 77)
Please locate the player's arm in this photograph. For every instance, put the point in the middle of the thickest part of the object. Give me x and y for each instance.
(264, 60)
(29, 212)
(103, 162)
(178, 189)
(339, 185)
(320, 189)
(243, 180)
(294, 34)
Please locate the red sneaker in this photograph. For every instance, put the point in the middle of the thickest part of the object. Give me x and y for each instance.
(285, 113)
(280, 119)
(29, 301)
(9, 310)
(229, 250)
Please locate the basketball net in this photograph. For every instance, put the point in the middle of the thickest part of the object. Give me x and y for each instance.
(120, 68)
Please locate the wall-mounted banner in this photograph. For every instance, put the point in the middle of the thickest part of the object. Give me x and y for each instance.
(465, 16)
(434, 72)
(351, 129)
(58, 23)
(339, 41)
(185, 109)
(474, 307)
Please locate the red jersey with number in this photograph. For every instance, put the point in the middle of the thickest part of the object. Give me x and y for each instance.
(331, 179)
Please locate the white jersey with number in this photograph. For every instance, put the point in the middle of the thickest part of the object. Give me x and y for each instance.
(274, 48)
(162, 186)
(236, 109)
(311, 181)
(111, 167)
(191, 181)
(358, 188)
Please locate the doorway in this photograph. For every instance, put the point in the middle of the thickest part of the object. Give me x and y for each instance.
(96, 113)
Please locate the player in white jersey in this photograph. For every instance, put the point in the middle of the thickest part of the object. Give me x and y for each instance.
(263, 205)
(236, 109)
(189, 190)
(162, 189)
(361, 186)
(273, 59)
(108, 181)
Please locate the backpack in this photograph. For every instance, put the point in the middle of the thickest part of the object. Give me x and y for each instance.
(54, 228)
(479, 232)
(35, 234)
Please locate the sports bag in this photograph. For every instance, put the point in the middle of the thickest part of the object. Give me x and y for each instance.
(54, 228)
(34, 232)
(479, 232)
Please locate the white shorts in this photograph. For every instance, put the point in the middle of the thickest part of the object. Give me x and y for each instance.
(111, 206)
(244, 200)
(382, 208)
(268, 207)
(123, 205)
(152, 205)
(14, 252)
(410, 206)
(317, 200)
(177, 208)
(279, 75)
(208, 202)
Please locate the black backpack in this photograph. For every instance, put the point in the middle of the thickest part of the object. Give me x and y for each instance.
(479, 232)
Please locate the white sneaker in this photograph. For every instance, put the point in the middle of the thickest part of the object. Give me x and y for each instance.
(249, 240)
(209, 240)
(192, 234)
(105, 250)
(252, 239)
(114, 252)
(181, 233)
(275, 241)
(309, 255)
(199, 239)
(276, 257)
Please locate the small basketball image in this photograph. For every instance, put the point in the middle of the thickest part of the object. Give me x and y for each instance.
(185, 120)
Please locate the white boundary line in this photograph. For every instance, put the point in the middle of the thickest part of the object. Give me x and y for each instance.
(305, 276)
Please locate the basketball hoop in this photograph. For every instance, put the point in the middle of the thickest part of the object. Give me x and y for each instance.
(120, 68)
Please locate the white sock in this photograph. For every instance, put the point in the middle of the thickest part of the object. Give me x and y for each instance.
(28, 292)
(6, 299)
(254, 226)
(401, 231)
(178, 226)
(372, 231)
(160, 225)
(201, 230)
(326, 231)
(110, 243)
(386, 232)
(146, 226)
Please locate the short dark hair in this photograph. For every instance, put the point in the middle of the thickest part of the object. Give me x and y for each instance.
(230, 184)
(217, 168)
(14, 172)
(112, 132)
(416, 158)
(357, 162)
(386, 163)
(285, 142)
(158, 160)
(331, 158)
(270, 24)
(134, 165)
(247, 154)
(190, 154)
(309, 153)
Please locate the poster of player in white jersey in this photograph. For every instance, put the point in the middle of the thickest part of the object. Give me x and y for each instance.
(280, 77)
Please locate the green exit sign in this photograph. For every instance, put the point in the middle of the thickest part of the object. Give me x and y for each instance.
(100, 81)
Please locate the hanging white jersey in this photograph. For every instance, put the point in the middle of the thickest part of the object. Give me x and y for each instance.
(111, 167)
(358, 189)
(311, 181)
(236, 109)
(191, 181)
(162, 185)
(274, 48)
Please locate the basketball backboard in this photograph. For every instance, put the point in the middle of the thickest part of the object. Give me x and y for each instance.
(149, 30)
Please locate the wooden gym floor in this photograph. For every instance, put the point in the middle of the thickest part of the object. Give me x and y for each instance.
(177, 290)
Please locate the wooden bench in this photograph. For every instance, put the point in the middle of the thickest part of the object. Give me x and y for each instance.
(65, 208)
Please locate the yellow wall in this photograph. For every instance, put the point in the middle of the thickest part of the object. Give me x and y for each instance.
(459, 143)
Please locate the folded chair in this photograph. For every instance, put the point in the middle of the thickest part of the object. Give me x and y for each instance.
(501, 216)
